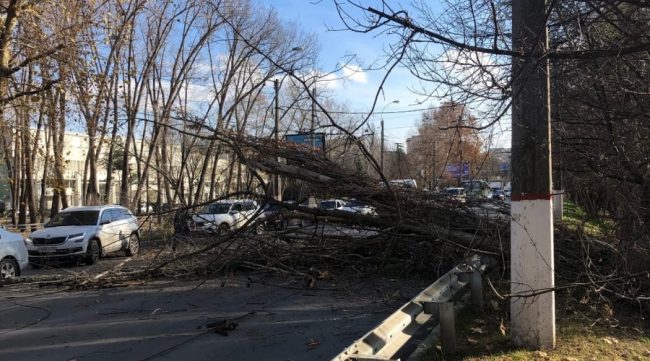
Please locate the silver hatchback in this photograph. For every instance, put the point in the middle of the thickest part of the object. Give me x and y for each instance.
(85, 233)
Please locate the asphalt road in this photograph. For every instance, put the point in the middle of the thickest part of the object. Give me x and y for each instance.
(277, 318)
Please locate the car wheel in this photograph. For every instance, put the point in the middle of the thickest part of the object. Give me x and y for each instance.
(223, 228)
(9, 268)
(259, 228)
(92, 252)
(134, 245)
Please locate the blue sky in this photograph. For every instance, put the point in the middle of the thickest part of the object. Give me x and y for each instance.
(359, 90)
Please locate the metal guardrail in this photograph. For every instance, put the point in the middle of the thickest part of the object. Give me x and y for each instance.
(434, 303)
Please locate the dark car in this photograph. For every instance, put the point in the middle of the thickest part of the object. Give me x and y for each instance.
(271, 215)
(498, 195)
(276, 217)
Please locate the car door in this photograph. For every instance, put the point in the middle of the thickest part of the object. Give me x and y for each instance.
(121, 222)
(248, 211)
(107, 233)
(236, 214)
(339, 205)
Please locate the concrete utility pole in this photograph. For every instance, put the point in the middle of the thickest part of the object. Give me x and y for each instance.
(531, 245)
(434, 175)
(460, 146)
(396, 101)
(313, 118)
(399, 150)
(382, 147)
(276, 133)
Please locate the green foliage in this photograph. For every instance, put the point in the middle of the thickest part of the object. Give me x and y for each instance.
(576, 218)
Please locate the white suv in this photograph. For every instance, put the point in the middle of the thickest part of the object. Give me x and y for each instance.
(13, 255)
(85, 233)
(224, 215)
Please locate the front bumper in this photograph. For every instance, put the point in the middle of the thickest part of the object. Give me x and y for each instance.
(41, 254)
(202, 226)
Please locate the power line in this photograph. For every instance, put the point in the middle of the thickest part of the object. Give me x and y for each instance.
(367, 113)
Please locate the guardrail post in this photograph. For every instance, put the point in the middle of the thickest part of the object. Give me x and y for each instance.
(463, 276)
(430, 308)
(476, 288)
(447, 327)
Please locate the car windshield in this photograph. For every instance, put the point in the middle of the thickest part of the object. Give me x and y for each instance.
(216, 208)
(454, 191)
(74, 218)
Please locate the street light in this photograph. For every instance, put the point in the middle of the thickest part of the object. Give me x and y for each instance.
(276, 131)
(396, 101)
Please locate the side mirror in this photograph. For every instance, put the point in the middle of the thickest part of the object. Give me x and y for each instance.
(232, 213)
(104, 221)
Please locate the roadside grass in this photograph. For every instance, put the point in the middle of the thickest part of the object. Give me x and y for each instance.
(584, 331)
(576, 220)
(484, 337)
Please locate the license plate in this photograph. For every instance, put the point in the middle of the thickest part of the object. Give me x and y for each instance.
(48, 249)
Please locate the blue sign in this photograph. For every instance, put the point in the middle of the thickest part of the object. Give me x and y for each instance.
(453, 170)
(312, 140)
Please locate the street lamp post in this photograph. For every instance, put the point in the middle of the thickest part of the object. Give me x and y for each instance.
(276, 133)
(313, 118)
(382, 133)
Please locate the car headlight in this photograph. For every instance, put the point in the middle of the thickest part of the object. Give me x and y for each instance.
(27, 241)
(77, 237)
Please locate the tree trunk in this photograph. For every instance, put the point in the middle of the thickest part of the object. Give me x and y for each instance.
(58, 139)
(111, 149)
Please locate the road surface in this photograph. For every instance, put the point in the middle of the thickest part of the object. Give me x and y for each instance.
(277, 319)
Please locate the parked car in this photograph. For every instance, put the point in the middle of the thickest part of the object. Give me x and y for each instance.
(455, 194)
(13, 254)
(332, 204)
(498, 195)
(225, 215)
(355, 206)
(403, 183)
(145, 208)
(507, 192)
(85, 234)
(274, 217)
(478, 190)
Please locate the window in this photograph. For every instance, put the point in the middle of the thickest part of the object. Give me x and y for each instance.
(74, 218)
(216, 208)
(328, 204)
(106, 216)
(120, 214)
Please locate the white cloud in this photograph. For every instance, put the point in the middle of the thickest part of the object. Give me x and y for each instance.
(355, 74)
(330, 81)
(346, 77)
